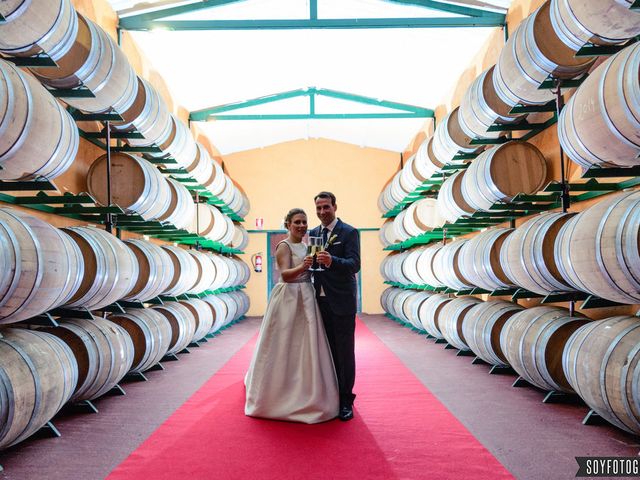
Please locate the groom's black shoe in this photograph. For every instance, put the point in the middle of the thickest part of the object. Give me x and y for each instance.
(346, 413)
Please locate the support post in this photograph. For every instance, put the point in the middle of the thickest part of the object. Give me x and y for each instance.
(108, 224)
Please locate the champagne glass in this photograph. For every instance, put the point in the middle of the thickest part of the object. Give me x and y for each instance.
(315, 246)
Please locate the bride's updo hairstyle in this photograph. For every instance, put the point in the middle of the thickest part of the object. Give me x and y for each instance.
(291, 214)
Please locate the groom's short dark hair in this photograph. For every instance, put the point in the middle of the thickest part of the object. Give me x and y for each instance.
(328, 195)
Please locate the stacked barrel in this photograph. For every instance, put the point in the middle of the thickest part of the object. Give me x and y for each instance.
(120, 306)
(592, 250)
(88, 268)
(87, 57)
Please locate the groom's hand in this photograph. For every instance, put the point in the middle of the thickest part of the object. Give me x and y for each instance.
(324, 259)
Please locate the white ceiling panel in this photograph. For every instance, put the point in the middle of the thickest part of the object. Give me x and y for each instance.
(417, 66)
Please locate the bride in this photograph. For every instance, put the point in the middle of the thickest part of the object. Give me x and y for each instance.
(292, 376)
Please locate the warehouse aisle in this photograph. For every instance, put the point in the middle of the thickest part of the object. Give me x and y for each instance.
(400, 431)
(422, 412)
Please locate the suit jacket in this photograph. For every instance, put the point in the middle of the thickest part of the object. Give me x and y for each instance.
(339, 280)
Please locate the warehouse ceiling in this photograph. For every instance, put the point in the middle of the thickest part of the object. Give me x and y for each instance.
(376, 70)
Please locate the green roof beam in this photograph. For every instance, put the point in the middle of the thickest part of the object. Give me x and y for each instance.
(402, 110)
(448, 7)
(171, 11)
(131, 23)
(372, 101)
(202, 115)
(317, 116)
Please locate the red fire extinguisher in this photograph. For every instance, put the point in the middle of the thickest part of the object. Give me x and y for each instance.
(256, 260)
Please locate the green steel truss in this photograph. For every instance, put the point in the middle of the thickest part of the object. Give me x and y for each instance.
(402, 110)
(466, 17)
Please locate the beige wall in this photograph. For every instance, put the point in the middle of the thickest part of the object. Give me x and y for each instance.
(280, 177)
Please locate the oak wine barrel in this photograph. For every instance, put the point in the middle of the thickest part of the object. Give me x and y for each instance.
(446, 264)
(430, 312)
(146, 192)
(601, 364)
(182, 322)
(500, 173)
(155, 270)
(110, 269)
(479, 259)
(147, 115)
(600, 123)
(597, 250)
(185, 271)
(38, 374)
(601, 22)
(39, 138)
(203, 316)
(481, 107)
(98, 63)
(531, 54)
(451, 203)
(452, 318)
(41, 264)
(37, 26)
(534, 340)
(483, 326)
(449, 139)
(528, 254)
(103, 351)
(150, 333)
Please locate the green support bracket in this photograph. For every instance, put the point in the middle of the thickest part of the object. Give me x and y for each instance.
(114, 135)
(547, 107)
(94, 117)
(521, 293)
(523, 197)
(130, 149)
(467, 291)
(155, 301)
(596, 302)
(479, 291)
(533, 133)
(489, 141)
(635, 5)
(450, 291)
(162, 161)
(39, 61)
(464, 156)
(551, 82)
(455, 167)
(45, 320)
(82, 210)
(555, 297)
(591, 50)
(602, 172)
(503, 292)
(128, 304)
(67, 199)
(80, 92)
(82, 313)
(113, 308)
(516, 127)
(166, 298)
(26, 186)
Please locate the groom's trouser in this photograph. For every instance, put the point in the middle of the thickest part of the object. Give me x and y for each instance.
(340, 333)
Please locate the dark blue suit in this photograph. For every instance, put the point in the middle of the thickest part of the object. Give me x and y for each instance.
(340, 303)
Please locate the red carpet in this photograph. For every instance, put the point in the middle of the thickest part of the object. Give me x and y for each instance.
(401, 431)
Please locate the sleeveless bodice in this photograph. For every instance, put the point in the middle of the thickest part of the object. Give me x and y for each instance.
(298, 252)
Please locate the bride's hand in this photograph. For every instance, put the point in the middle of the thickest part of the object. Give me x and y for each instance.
(307, 262)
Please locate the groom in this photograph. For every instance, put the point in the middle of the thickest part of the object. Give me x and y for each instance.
(336, 292)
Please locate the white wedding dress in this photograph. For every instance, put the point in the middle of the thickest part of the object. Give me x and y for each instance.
(292, 376)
